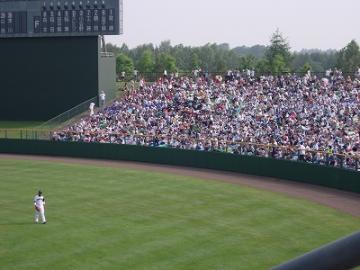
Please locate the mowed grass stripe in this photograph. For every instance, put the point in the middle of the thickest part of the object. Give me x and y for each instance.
(107, 218)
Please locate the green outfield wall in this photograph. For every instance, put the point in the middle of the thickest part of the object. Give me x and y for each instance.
(43, 77)
(296, 171)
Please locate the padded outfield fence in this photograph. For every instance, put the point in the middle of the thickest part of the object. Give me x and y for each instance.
(350, 161)
(320, 157)
(332, 177)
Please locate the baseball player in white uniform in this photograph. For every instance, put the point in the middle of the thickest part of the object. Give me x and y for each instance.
(39, 203)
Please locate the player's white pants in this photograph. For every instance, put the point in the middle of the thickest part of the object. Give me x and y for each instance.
(40, 213)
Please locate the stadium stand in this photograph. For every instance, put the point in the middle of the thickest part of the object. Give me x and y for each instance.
(307, 118)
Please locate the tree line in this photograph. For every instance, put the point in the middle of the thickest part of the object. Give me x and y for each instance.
(275, 58)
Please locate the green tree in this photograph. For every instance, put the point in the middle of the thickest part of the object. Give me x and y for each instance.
(279, 65)
(247, 62)
(207, 57)
(278, 54)
(219, 57)
(112, 48)
(220, 64)
(165, 61)
(124, 49)
(146, 62)
(306, 67)
(124, 63)
(262, 66)
(349, 57)
(182, 54)
(258, 51)
(165, 46)
(195, 61)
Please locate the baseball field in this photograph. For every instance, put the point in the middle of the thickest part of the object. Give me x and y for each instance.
(113, 218)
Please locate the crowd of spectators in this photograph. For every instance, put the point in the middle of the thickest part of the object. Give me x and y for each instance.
(299, 117)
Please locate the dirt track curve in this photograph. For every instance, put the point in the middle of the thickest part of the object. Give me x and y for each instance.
(341, 200)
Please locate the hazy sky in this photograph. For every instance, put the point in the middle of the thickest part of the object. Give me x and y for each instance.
(305, 23)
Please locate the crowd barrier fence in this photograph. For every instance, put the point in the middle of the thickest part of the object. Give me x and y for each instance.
(154, 76)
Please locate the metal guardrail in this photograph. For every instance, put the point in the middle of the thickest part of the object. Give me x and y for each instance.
(68, 115)
(106, 54)
(26, 134)
(339, 255)
(154, 76)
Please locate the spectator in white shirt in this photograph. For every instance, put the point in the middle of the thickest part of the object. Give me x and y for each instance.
(102, 99)
(302, 152)
(91, 107)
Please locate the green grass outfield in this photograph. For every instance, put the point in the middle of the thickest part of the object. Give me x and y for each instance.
(108, 218)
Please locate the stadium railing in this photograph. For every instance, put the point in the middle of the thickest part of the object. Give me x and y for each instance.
(106, 54)
(26, 134)
(68, 115)
(154, 76)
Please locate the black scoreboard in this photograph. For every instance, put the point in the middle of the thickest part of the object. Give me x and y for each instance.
(34, 18)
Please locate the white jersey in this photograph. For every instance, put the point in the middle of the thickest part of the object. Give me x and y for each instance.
(302, 150)
(39, 201)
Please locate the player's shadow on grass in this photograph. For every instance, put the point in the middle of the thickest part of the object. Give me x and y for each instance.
(18, 223)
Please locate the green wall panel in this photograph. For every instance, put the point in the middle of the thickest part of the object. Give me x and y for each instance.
(43, 77)
(302, 172)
